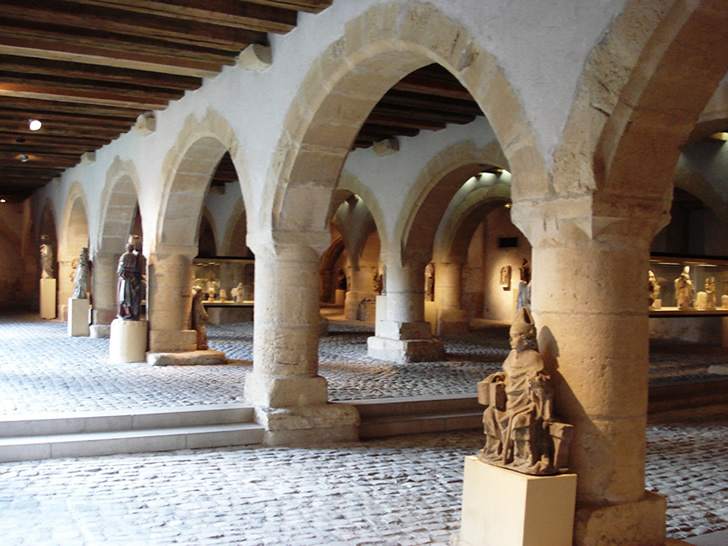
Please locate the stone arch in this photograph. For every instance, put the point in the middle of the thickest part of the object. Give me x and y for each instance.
(457, 230)
(207, 239)
(431, 194)
(75, 234)
(377, 49)
(352, 184)
(192, 162)
(119, 207)
(234, 243)
(641, 93)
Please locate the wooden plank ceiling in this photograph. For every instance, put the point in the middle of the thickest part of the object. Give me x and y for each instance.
(88, 68)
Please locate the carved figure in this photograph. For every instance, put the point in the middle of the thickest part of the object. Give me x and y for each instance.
(653, 288)
(505, 277)
(238, 293)
(684, 290)
(46, 258)
(378, 280)
(80, 282)
(525, 271)
(711, 298)
(223, 295)
(199, 318)
(430, 282)
(341, 280)
(130, 285)
(521, 432)
(524, 295)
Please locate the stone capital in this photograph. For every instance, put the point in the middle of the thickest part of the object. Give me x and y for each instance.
(578, 219)
(280, 243)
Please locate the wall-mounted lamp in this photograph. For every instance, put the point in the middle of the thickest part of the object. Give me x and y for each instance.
(723, 137)
(507, 205)
(34, 124)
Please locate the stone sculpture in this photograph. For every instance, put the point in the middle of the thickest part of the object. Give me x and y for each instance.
(46, 258)
(130, 285)
(653, 288)
(341, 280)
(430, 282)
(684, 290)
(521, 431)
(238, 293)
(711, 297)
(80, 281)
(525, 271)
(505, 277)
(378, 282)
(199, 318)
(223, 295)
(524, 287)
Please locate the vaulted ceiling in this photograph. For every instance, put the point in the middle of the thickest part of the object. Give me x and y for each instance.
(88, 68)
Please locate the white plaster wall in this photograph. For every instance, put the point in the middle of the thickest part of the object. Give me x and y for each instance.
(221, 208)
(542, 48)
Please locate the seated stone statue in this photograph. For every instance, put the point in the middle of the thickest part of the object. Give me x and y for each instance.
(521, 431)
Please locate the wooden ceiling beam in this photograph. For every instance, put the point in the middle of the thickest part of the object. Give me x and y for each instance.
(38, 108)
(402, 119)
(134, 23)
(310, 6)
(77, 71)
(105, 51)
(53, 141)
(429, 102)
(234, 14)
(82, 96)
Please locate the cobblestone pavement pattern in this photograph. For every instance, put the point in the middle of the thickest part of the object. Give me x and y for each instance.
(404, 490)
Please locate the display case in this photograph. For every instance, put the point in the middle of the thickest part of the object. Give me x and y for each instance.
(688, 286)
(228, 285)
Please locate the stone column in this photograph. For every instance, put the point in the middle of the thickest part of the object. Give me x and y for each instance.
(361, 287)
(104, 282)
(589, 304)
(169, 300)
(404, 336)
(451, 318)
(289, 395)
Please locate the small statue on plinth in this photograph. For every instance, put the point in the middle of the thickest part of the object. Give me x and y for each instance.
(46, 258)
(430, 282)
(711, 298)
(521, 431)
(130, 286)
(80, 281)
(238, 293)
(653, 288)
(199, 318)
(684, 290)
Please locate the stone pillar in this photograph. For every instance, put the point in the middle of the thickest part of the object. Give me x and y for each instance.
(588, 301)
(405, 336)
(451, 318)
(169, 300)
(289, 395)
(362, 286)
(104, 287)
(66, 273)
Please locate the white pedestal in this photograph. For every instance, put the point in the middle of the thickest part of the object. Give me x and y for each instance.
(340, 297)
(48, 298)
(78, 317)
(128, 341)
(431, 315)
(506, 508)
(380, 313)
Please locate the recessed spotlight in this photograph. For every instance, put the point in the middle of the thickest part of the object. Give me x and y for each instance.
(34, 124)
(23, 158)
(2, 200)
(20, 140)
(507, 205)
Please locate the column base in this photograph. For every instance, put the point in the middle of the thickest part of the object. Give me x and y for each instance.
(100, 331)
(502, 506)
(405, 350)
(172, 341)
(452, 322)
(128, 341)
(310, 425)
(271, 391)
(640, 522)
(78, 317)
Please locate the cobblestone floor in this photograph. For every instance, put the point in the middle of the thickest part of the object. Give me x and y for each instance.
(402, 491)
(42, 369)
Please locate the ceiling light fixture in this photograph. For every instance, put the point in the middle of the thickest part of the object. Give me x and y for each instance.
(23, 158)
(2, 200)
(34, 124)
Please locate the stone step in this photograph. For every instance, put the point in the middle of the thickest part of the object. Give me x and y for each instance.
(40, 424)
(88, 444)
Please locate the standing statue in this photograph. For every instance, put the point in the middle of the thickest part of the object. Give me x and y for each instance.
(711, 299)
(199, 318)
(653, 288)
(430, 282)
(378, 282)
(46, 258)
(341, 280)
(521, 431)
(525, 271)
(524, 287)
(130, 283)
(80, 281)
(238, 293)
(684, 290)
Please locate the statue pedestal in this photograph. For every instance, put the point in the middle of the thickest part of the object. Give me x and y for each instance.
(340, 297)
(48, 298)
(128, 341)
(505, 507)
(78, 317)
(431, 315)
